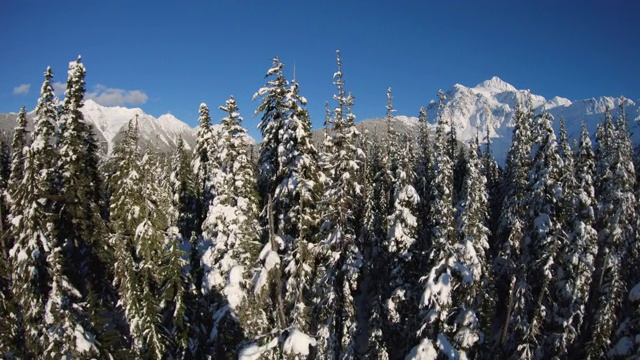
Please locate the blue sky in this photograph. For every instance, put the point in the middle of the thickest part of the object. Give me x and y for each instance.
(171, 56)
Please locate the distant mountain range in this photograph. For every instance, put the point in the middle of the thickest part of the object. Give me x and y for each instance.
(491, 103)
(110, 122)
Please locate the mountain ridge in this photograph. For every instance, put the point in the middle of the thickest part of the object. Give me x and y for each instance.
(488, 104)
(492, 103)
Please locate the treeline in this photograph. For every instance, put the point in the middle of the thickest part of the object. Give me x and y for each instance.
(376, 246)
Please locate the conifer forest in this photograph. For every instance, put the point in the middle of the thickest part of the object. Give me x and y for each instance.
(358, 246)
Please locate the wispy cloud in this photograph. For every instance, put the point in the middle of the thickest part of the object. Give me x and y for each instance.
(59, 88)
(116, 97)
(21, 89)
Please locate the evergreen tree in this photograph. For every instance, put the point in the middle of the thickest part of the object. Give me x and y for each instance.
(204, 165)
(80, 229)
(148, 270)
(583, 242)
(274, 109)
(339, 258)
(182, 191)
(7, 310)
(32, 209)
(372, 237)
(393, 153)
(19, 147)
(28, 258)
(423, 179)
(477, 299)
(615, 178)
(400, 246)
(125, 213)
(231, 228)
(379, 167)
(493, 173)
(438, 330)
(510, 274)
(545, 241)
(625, 345)
(181, 234)
(65, 336)
(300, 180)
(5, 171)
(289, 178)
(158, 263)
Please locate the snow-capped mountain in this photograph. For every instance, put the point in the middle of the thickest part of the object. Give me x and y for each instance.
(492, 103)
(109, 123)
(161, 133)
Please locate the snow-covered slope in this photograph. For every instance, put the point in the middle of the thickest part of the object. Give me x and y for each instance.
(109, 123)
(492, 103)
(161, 133)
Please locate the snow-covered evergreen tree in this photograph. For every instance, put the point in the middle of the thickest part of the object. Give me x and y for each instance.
(65, 334)
(19, 148)
(545, 240)
(6, 307)
(231, 233)
(339, 258)
(5, 171)
(273, 108)
(18, 152)
(204, 163)
(424, 166)
(186, 274)
(625, 343)
(182, 191)
(32, 217)
(127, 204)
(510, 274)
(583, 241)
(149, 263)
(30, 278)
(446, 268)
(400, 245)
(493, 173)
(301, 185)
(477, 298)
(80, 228)
(392, 154)
(371, 240)
(615, 180)
(289, 182)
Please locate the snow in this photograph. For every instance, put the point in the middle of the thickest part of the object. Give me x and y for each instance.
(254, 351)
(468, 108)
(108, 121)
(423, 351)
(634, 294)
(298, 343)
(270, 259)
(622, 348)
(437, 292)
(447, 349)
(83, 343)
(494, 84)
(233, 290)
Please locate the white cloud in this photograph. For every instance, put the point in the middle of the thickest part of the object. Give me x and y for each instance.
(59, 88)
(21, 89)
(117, 97)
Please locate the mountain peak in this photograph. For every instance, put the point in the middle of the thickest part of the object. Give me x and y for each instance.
(495, 83)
